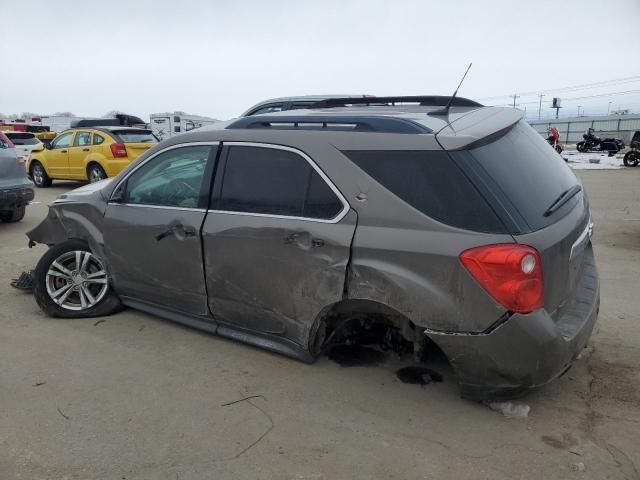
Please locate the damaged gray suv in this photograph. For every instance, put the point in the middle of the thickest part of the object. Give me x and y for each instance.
(456, 227)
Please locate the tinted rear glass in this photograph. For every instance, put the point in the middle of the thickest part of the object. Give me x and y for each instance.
(431, 182)
(529, 172)
(130, 136)
(23, 138)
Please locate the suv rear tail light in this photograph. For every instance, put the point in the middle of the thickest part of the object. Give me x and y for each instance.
(119, 150)
(510, 273)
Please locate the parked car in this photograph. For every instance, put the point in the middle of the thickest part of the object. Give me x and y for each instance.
(299, 230)
(284, 104)
(25, 143)
(16, 191)
(88, 154)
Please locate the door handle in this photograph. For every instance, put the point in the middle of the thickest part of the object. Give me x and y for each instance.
(317, 242)
(63, 151)
(85, 149)
(178, 231)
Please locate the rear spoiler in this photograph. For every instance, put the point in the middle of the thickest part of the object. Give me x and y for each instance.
(478, 127)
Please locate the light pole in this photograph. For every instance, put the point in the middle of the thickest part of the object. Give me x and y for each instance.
(540, 105)
(608, 108)
(579, 109)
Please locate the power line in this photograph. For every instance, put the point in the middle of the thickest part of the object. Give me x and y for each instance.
(604, 83)
(568, 99)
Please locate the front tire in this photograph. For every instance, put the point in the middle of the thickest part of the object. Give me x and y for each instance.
(39, 175)
(580, 146)
(95, 173)
(13, 215)
(631, 159)
(70, 281)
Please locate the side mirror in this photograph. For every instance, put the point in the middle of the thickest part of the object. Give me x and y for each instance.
(119, 194)
(48, 146)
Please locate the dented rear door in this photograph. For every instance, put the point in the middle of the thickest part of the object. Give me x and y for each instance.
(276, 241)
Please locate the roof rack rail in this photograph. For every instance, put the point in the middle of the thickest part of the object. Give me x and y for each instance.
(349, 123)
(423, 100)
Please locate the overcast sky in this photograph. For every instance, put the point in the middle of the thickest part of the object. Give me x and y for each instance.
(217, 58)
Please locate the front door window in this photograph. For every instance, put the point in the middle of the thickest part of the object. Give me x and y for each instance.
(172, 179)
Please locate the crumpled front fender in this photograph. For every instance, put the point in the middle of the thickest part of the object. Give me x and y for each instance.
(67, 221)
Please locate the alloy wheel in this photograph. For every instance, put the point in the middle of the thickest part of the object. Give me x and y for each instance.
(76, 280)
(38, 174)
(96, 174)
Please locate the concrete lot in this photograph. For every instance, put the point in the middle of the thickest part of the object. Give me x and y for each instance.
(136, 397)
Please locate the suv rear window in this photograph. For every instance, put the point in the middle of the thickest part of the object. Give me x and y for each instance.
(130, 136)
(527, 173)
(432, 183)
(23, 138)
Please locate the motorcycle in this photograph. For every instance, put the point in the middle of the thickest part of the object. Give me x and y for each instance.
(554, 140)
(593, 142)
(632, 158)
(557, 146)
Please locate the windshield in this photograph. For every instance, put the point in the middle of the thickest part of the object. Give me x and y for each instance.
(135, 136)
(530, 173)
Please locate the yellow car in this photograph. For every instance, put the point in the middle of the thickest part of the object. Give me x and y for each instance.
(88, 154)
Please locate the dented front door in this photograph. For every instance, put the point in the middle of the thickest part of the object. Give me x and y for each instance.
(152, 229)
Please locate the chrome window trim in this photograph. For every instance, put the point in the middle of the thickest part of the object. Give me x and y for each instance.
(587, 232)
(163, 207)
(151, 157)
(345, 205)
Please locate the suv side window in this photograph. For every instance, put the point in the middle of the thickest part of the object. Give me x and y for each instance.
(62, 141)
(272, 108)
(300, 105)
(97, 139)
(432, 183)
(272, 181)
(171, 179)
(82, 139)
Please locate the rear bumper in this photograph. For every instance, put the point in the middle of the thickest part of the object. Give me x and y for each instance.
(526, 351)
(15, 196)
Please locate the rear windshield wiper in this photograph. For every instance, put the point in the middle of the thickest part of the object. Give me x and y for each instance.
(562, 199)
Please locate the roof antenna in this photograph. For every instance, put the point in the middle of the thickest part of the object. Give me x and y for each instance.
(445, 111)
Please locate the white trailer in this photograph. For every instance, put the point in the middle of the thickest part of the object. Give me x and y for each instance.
(57, 123)
(165, 125)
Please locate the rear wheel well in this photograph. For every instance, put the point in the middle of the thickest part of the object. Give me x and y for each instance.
(345, 319)
(91, 163)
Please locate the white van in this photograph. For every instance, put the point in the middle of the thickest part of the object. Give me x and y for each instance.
(165, 125)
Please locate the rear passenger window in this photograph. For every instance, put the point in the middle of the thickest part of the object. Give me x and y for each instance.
(430, 182)
(275, 182)
(97, 139)
(82, 139)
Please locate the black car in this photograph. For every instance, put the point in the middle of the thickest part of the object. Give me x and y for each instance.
(16, 191)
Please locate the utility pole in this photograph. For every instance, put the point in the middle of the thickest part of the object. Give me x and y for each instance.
(579, 109)
(514, 99)
(540, 106)
(608, 108)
